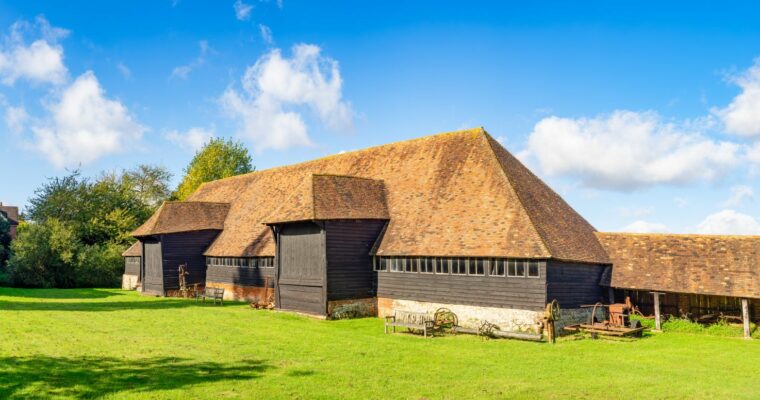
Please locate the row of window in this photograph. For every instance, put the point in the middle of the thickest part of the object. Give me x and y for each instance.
(132, 259)
(243, 262)
(459, 266)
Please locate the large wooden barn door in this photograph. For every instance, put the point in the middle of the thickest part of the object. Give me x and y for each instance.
(153, 272)
(301, 275)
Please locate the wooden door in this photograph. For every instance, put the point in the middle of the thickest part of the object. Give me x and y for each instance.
(301, 275)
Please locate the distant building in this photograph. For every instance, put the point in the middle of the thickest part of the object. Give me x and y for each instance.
(11, 213)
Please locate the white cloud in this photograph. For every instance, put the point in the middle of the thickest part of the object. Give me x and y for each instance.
(641, 226)
(16, 118)
(39, 62)
(266, 34)
(739, 194)
(628, 150)
(242, 10)
(729, 222)
(753, 153)
(183, 71)
(125, 72)
(193, 139)
(84, 125)
(742, 115)
(275, 88)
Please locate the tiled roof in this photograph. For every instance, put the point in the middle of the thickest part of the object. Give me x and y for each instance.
(11, 212)
(705, 264)
(184, 216)
(329, 197)
(135, 250)
(454, 194)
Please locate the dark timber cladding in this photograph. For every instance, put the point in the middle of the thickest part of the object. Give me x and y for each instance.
(487, 291)
(301, 275)
(185, 248)
(242, 276)
(349, 265)
(132, 265)
(574, 284)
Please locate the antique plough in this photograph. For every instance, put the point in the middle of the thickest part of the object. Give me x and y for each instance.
(618, 324)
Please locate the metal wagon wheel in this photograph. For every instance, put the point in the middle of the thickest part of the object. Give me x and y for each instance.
(445, 319)
(552, 311)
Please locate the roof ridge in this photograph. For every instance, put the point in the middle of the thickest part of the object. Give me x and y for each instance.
(705, 235)
(346, 176)
(495, 159)
(477, 130)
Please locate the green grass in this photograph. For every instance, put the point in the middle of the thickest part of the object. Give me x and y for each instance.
(683, 325)
(115, 344)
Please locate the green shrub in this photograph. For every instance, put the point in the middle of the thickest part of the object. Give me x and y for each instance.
(99, 266)
(683, 325)
(43, 255)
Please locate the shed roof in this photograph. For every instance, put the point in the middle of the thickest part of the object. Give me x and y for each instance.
(135, 250)
(328, 197)
(452, 194)
(184, 216)
(701, 264)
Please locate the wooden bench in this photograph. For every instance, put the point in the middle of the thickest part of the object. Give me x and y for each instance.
(210, 293)
(410, 320)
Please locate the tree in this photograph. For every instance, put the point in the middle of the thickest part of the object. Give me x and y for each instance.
(218, 159)
(149, 182)
(5, 240)
(44, 255)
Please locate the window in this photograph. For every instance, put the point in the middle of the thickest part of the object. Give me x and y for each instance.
(411, 264)
(516, 268)
(533, 268)
(426, 265)
(441, 266)
(497, 268)
(475, 266)
(381, 264)
(396, 265)
(458, 266)
(521, 268)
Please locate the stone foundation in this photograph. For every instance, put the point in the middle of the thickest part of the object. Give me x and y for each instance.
(507, 319)
(129, 282)
(241, 293)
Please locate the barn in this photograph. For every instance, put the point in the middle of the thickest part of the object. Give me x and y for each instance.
(690, 276)
(445, 221)
(130, 280)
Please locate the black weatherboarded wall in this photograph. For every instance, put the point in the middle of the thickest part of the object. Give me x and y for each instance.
(185, 248)
(242, 276)
(349, 265)
(131, 265)
(487, 291)
(574, 284)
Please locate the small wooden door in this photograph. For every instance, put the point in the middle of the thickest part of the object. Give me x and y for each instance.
(153, 267)
(301, 275)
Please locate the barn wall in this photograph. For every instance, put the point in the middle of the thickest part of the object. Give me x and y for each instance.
(301, 270)
(488, 291)
(349, 265)
(240, 276)
(186, 247)
(574, 284)
(132, 267)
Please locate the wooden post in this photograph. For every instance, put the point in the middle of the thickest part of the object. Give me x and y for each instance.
(611, 293)
(745, 317)
(657, 320)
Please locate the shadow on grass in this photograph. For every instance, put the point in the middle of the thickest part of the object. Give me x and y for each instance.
(87, 377)
(59, 293)
(94, 306)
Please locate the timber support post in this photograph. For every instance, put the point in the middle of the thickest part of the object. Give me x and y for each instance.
(745, 318)
(657, 314)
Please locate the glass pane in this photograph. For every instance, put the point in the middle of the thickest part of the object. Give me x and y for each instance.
(383, 264)
(511, 268)
(480, 267)
(533, 269)
(521, 268)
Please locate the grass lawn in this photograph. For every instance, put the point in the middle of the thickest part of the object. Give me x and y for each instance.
(116, 344)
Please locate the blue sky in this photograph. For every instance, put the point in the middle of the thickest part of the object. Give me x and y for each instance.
(643, 116)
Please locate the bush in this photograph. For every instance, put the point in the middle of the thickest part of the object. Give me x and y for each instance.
(99, 266)
(43, 255)
(683, 325)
